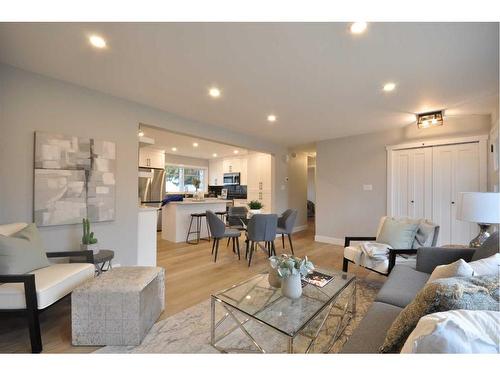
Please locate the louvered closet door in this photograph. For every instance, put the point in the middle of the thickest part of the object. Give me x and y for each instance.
(455, 170)
(412, 183)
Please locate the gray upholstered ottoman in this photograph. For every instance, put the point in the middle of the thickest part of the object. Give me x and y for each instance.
(118, 307)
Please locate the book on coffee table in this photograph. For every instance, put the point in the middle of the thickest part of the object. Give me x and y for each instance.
(317, 278)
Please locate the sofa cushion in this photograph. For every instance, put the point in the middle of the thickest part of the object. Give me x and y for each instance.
(52, 283)
(459, 268)
(399, 234)
(402, 286)
(488, 248)
(369, 335)
(486, 266)
(456, 331)
(22, 252)
(468, 293)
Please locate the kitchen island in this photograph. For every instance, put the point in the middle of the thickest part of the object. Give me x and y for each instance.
(176, 217)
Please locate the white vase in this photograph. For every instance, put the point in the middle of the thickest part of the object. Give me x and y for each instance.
(254, 212)
(94, 247)
(291, 286)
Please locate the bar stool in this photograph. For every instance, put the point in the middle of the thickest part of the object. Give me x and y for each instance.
(198, 224)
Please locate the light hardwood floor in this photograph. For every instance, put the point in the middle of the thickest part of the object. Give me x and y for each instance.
(191, 276)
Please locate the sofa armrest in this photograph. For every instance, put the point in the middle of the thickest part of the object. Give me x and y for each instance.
(348, 240)
(394, 252)
(88, 254)
(29, 288)
(429, 258)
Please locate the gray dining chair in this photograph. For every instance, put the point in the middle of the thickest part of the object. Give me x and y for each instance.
(219, 230)
(261, 228)
(234, 216)
(286, 223)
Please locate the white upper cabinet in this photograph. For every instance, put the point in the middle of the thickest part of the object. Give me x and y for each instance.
(215, 172)
(259, 172)
(151, 158)
(217, 168)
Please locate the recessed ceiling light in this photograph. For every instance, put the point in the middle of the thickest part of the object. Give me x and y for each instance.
(235, 151)
(271, 118)
(195, 144)
(97, 41)
(358, 27)
(174, 149)
(389, 86)
(214, 92)
(214, 155)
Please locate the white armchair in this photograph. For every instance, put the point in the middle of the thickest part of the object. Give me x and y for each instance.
(353, 253)
(28, 294)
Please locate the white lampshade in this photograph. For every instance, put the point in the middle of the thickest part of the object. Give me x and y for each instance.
(478, 207)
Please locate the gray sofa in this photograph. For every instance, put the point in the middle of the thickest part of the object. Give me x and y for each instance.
(402, 285)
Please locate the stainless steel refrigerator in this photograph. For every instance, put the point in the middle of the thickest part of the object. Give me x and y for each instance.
(152, 188)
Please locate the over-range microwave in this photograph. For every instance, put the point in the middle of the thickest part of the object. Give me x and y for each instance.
(231, 179)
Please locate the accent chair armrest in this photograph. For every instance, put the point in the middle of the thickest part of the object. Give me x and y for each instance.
(88, 254)
(429, 258)
(29, 288)
(348, 240)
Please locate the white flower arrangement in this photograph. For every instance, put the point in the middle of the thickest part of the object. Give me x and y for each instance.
(287, 265)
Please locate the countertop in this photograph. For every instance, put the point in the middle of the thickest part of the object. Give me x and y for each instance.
(147, 208)
(205, 201)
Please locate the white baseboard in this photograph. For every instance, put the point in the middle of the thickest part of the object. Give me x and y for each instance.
(300, 228)
(330, 240)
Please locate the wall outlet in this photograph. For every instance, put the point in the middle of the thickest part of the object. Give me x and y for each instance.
(367, 187)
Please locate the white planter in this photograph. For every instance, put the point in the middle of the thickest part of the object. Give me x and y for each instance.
(94, 247)
(253, 212)
(291, 286)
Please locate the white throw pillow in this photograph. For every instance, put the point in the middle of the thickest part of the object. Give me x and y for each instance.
(460, 268)
(486, 266)
(456, 331)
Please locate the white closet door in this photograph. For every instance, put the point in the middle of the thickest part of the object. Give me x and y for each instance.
(455, 170)
(466, 165)
(401, 180)
(421, 183)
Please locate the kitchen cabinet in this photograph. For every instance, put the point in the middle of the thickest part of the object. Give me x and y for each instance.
(218, 167)
(259, 184)
(151, 158)
(215, 172)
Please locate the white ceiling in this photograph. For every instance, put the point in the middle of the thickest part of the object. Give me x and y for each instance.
(165, 140)
(320, 80)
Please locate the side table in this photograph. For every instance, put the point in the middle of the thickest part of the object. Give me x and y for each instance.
(100, 260)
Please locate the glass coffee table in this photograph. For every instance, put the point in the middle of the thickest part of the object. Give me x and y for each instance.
(253, 316)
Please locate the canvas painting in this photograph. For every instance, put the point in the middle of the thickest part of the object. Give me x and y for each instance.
(74, 179)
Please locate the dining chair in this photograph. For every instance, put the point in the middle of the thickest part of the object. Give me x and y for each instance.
(261, 228)
(286, 223)
(234, 216)
(219, 230)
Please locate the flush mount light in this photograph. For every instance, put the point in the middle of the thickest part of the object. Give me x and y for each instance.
(430, 119)
(214, 155)
(141, 133)
(389, 86)
(358, 27)
(271, 118)
(195, 144)
(235, 152)
(97, 41)
(214, 92)
(174, 149)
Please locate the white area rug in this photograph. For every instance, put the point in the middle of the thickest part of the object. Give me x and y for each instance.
(189, 330)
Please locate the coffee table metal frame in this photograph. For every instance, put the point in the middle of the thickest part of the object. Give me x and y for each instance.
(347, 312)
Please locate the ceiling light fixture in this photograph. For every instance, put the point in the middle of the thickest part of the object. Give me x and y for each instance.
(358, 27)
(97, 41)
(389, 86)
(214, 92)
(214, 155)
(195, 144)
(235, 152)
(174, 149)
(430, 119)
(271, 118)
(141, 133)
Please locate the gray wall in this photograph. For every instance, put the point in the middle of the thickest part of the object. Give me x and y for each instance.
(30, 102)
(297, 181)
(343, 165)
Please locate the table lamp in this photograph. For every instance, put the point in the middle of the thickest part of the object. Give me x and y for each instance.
(481, 208)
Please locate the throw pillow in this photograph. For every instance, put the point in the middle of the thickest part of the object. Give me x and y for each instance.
(22, 252)
(397, 233)
(456, 331)
(454, 293)
(460, 268)
(486, 266)
(424, 235)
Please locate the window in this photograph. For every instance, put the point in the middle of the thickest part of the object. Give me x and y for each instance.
(180, 179)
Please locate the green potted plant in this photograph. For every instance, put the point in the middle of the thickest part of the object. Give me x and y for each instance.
(255, 207)
(198, 195)
(89, 242)
(291, 269)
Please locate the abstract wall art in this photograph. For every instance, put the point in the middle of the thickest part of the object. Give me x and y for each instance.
(74, 179)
